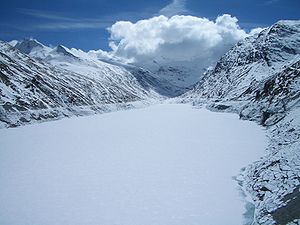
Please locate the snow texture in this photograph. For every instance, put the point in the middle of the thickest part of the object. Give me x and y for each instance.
(166, 164)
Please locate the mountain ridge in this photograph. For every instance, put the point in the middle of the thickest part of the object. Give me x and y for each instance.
(32, 89)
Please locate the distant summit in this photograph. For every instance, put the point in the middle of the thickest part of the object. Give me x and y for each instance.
(28, 45)
(64, 51)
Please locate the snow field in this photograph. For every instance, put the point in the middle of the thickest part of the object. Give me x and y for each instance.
(167, 164)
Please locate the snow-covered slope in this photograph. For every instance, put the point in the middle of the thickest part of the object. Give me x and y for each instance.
(61, 84)
(259, 78)
(253, 60)
(180, 76)
(168, 81)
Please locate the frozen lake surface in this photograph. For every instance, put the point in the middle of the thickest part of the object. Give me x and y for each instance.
(167, 164)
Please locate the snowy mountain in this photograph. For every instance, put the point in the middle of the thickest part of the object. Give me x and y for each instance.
(181, 75)
(74, 78)
(253, 60)
(29, 46)
(88, 63)
(259, 78)
(61, 84)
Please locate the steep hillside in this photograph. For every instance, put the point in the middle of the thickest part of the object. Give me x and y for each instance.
(33, 89)
(252, 60)
(260, 79)
(168, 81)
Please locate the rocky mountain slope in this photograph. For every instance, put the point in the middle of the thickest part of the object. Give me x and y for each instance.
(61, 84)
(259, 78)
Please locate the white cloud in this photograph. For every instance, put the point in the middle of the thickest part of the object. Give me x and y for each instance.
(51, 20)
(176, 7)
(256, 31)
(56, 21)
(178, 38)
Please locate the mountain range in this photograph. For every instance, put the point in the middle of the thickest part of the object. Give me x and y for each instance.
(258, 78)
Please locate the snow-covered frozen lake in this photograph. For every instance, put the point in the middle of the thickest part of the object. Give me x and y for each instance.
(167, 164)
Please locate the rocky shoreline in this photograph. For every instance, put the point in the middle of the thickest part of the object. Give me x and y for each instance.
(273, 181)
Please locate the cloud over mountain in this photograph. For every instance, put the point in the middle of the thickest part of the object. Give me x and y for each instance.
(176, 38)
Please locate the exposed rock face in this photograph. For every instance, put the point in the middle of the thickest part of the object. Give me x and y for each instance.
(260, 79)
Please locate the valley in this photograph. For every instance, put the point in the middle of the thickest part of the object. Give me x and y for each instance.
(45, 90)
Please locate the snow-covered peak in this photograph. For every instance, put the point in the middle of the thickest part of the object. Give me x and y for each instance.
(28, 45)
(33, 48)
(13, 43)
(62, 50)
(36, 49)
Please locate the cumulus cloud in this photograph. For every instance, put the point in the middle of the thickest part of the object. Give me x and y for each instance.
(178, 38)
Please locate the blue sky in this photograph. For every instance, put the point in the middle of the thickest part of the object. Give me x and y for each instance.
(82, 23)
